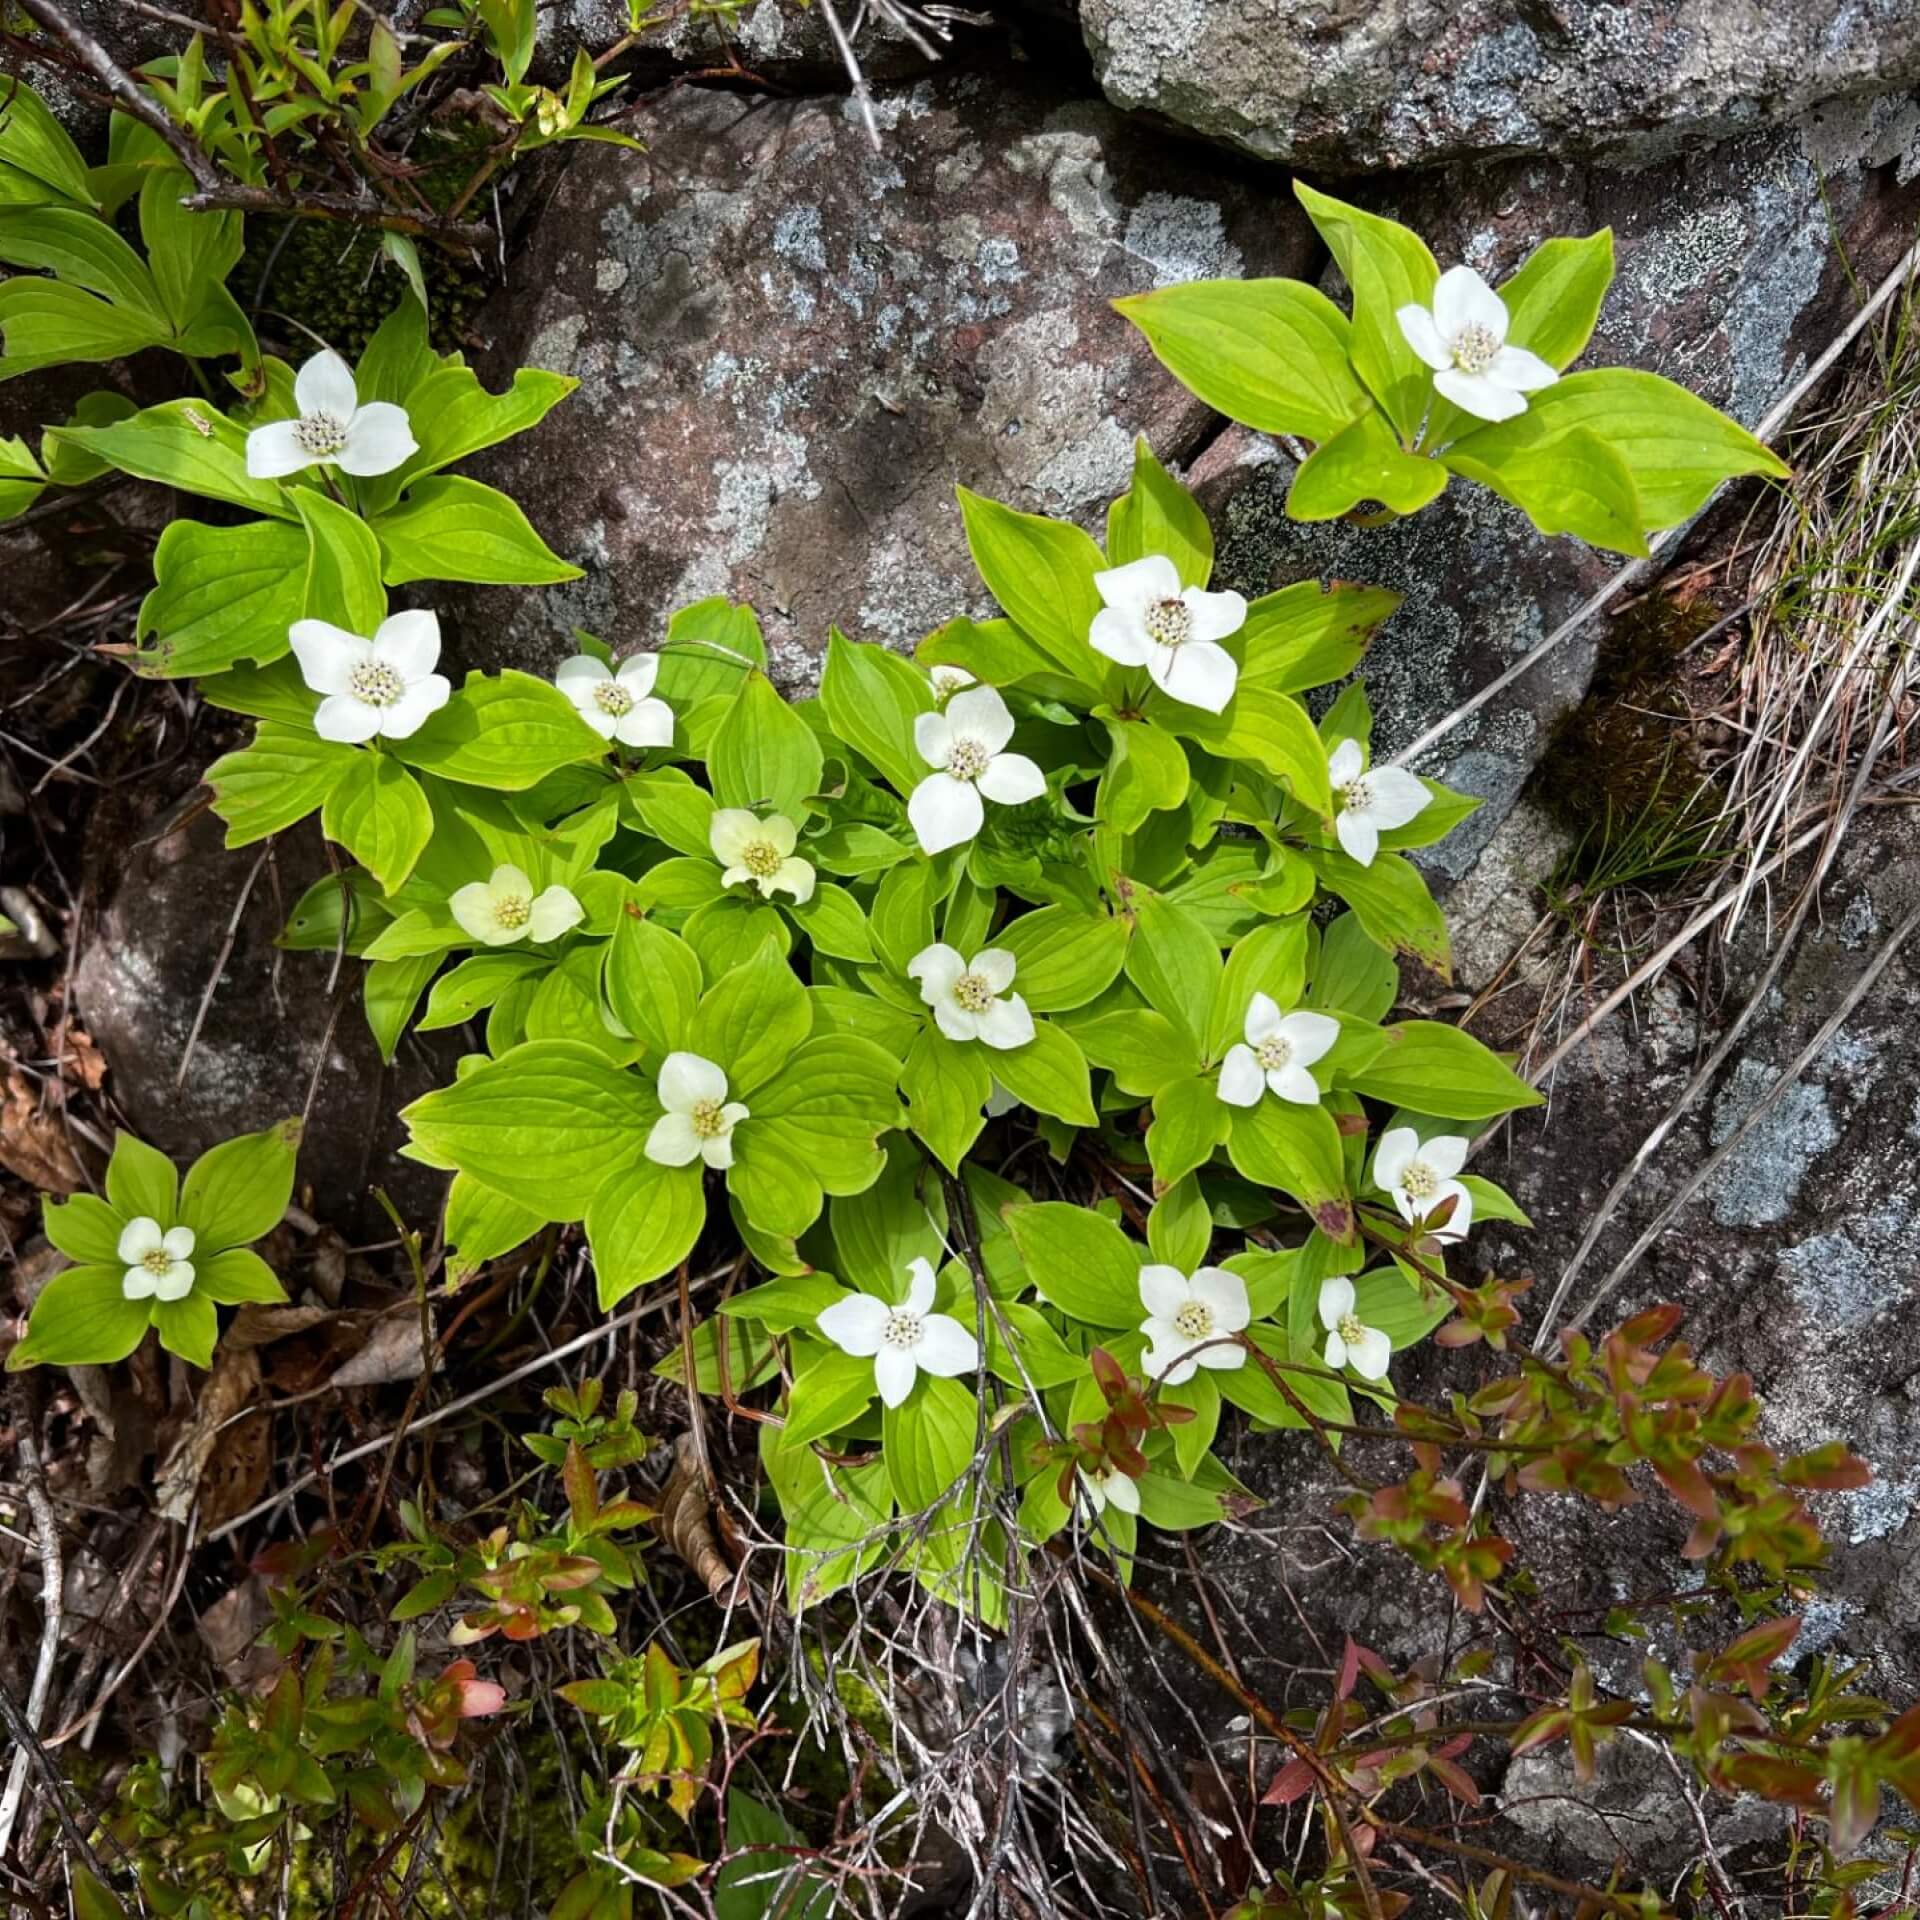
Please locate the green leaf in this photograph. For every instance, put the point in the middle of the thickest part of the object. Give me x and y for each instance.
(379, 813)
(902, 918)
(1035, 1354)
(1272, 354)
(1554, 300)
(1310, 634)
(1201, 1395)
(642, 1223)
(1433, 1068)
(343, 564)
(1676, 448)
(1391, 901)
(482, 1225)
(236, 1277)
(826, 1109)
(1297, 1149)
(833, 922)
(929, 1440)
(710, 647)
(1146, 773)
(751, 1020)
(764, 756)
(279, 779)
(1406, 1314)
(1175, 963)
(1354, 974)
(1041, 571)
(190, 253)
(652, 983)
(1180, 1227)
(947, 1087)
(456, 529)
(141, 1181)
(83, 251)
(391, 990)
(1576, 484)
(901, 1218)
(835, 1514)
(1388, 267)
(766, 1885)
(221, 595)
(547, 1124)
(92, 1899)
(85, 1229)
(1271, 959)
(794, 1300)
(44, 323)
(81, 1318)
(1048, 1074)
(1143, 1051)
(1364, 462)
(507, 732)
(676, 811)
(189, 1327)
(1189, 1121)
(1157, 514)
(1080, 1262)
(32, 140)
(182, 443)
(831, 1390)
(454, 416)
(871, 698)
(239, 1190)
(474, 985)
(996, 652)
(1270, 728)
(1063, 958)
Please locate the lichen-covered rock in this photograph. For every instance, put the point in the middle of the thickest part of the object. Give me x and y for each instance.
(1375, 85)
(1729, 281)
(791, 348)
(271, 1030)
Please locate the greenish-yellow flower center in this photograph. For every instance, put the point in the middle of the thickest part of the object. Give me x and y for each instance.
(761, 858)
(612, 698)
(903, 1329)
(974, 991)
(967, 759)
(1169, 622)
(1419, 1181)
(159, 1262)
(512, 910)
(1273, 1052)
(1357, 795)
(1350, 1330)
(375, 684)
(1194, 1320)
(708, 1122)
(1475, 348)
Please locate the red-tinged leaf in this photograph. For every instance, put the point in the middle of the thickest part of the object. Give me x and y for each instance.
(1541, 1730)
(1702, 1540)
(1108, 1372)
(1749, 1659)
(1291, 1783)
(601, 1698)
(621, 1513)
(583, 1496)
(1684, 1480)
(370, 1804)
(1456, 1780)
(1784, 1781)
(1457, 1333)
(1830, 1468)
(1645, 1328)
(1349, 1669)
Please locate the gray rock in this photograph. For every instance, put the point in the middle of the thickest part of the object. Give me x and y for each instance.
(1728, 281)
(792, 348)
(269, 1028)
(1371, 85)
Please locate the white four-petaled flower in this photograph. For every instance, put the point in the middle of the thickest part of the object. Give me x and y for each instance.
(1278, 1050)
(964, 743)
(332, 429)
(1372, 801)
(699, 1120)
(385, 686)
(157, 1263)
(902, 1340)
(970, 998)
(1463, 338)
(504, 908)
(1183, 1312)
(1420, 1175)
(1151, 621)
(1107, 1486)
(618, 704)
(761, 851)
(1350, 1344)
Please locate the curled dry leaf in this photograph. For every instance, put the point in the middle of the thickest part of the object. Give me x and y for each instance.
(393, 1352)
(686, 1519)
(33, 1140)
(227, 1392)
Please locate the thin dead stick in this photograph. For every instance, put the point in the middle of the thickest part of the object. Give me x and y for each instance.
(605, 1331)
(1775, 418)
(52, 1587)
(1884, 958)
